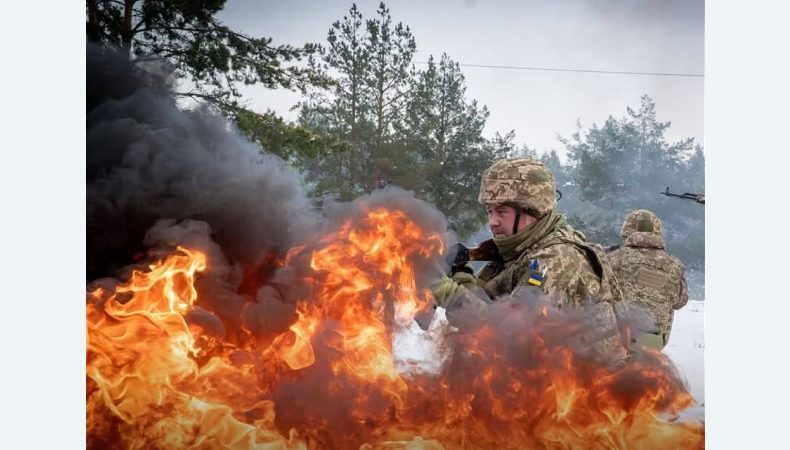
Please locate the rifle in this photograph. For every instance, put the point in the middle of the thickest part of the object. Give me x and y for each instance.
(699, 198)
(458, 255)
(457, 258)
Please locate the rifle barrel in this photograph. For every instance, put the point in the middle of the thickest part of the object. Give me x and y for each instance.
(699, 198)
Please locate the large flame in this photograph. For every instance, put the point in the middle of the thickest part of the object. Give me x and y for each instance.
(330, 380)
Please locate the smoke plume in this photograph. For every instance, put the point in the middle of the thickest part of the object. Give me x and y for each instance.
(147, 159)
(159, 176)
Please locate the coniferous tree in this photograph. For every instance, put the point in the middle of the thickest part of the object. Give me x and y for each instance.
(446, 132)
(391, 49)
(413, 128)
(211, 61)
(624, 165)
(200, 49)
(345, 111)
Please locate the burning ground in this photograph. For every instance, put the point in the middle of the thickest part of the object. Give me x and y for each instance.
(235, 317)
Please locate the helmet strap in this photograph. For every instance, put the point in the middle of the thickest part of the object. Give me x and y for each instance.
(516, 221)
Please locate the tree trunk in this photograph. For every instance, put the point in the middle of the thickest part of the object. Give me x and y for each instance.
(126, 31)
(93, 27)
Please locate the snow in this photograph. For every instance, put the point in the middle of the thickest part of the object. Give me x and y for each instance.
(417, 351)
(686, 346)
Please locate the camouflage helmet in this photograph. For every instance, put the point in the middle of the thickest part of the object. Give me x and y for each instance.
(641, 220)
(520, 182)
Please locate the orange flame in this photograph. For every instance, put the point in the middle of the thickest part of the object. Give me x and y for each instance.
(331, 381)
(141, 356)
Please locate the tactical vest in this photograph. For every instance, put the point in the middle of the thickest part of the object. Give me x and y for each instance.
(650, 279)
(603, 337)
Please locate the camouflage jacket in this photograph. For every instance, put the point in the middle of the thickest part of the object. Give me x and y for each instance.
(650, 278)
(574, 273)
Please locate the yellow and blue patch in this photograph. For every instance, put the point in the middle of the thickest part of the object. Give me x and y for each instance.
(536, 277)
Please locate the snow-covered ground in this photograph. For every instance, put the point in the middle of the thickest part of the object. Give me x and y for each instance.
(686, 346)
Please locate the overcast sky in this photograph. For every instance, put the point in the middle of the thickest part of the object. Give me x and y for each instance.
(664, 36)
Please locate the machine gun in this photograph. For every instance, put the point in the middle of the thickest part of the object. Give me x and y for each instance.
(699, 198)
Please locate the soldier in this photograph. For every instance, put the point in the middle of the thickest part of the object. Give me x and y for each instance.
(649, 277)
(537, 247)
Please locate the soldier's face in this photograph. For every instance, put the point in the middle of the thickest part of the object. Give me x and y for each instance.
(500, 219)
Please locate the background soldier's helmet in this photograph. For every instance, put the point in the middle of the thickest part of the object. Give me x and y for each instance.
(641, 220)
(521, 182)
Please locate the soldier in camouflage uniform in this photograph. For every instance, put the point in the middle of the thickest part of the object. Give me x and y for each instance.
(539, 248)
(649, 277)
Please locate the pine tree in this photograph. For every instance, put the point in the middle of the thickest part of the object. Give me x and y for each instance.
(188, 37)
(344, 112)
(391, 49)
(624, 165)
(446, 132)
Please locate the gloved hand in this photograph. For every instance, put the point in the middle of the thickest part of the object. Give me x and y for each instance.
(465, 278)
(445, 287)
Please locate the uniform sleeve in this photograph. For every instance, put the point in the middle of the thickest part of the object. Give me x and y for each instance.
(683, 295)
(565, 271)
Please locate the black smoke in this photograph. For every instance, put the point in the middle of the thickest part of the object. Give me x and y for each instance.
(159, 175)
(148, 159)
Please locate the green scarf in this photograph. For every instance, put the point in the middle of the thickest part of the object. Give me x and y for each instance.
(512, 246)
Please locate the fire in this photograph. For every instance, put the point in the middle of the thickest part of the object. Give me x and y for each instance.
(141, 358)
(156, 380)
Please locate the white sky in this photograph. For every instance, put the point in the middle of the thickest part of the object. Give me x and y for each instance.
(616, 35)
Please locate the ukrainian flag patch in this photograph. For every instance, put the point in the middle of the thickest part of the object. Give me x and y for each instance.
(536, 277)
